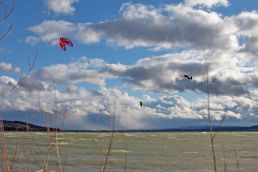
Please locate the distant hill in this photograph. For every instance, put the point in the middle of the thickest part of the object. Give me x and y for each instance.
(24, 126)
(215, 128)
(184, 129)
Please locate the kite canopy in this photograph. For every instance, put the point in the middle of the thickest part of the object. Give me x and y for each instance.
(141, 103)
(63, 42)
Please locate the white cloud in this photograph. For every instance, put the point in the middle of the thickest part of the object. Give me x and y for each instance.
(5, 80)
(5, 66)
(87, 35)
(50, 31)
(246, 26)
(61, 6)
(183, 26)
(8, 67)
(146, 26)
(247, 22)
(93, 71)
(207, 3)
(237, 107)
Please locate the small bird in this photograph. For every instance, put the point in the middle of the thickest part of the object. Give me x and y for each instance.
(141, 103)
(188, 77)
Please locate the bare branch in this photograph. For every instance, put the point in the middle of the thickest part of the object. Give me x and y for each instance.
(7, 12)
(209, 118)
(220, 124)
(6, 33)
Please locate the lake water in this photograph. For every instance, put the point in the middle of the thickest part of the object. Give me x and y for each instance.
(135, 152)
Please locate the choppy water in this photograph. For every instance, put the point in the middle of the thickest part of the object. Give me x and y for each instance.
(136, 152)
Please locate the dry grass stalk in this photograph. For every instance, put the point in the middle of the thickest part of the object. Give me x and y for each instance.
(6, 33)
(125, 159)
(5, 159)
(237, 162)
(224, 159)
(55, 136)
(212, 137)
(17, 149)
(110, 138)
(52, 138)
(220, 124)
(7, 163)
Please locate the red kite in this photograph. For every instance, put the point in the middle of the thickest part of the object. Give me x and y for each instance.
(63, 42)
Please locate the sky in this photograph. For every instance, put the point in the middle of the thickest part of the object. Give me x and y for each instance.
(125, 52)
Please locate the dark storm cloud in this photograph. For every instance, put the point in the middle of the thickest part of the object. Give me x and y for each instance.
(167, 77)
(216, 86)
(141, 73)
(191, 68)
(31, 84)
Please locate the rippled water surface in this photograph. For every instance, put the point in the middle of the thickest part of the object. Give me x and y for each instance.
(134, 152)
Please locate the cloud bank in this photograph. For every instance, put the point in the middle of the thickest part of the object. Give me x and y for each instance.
(87, 108)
